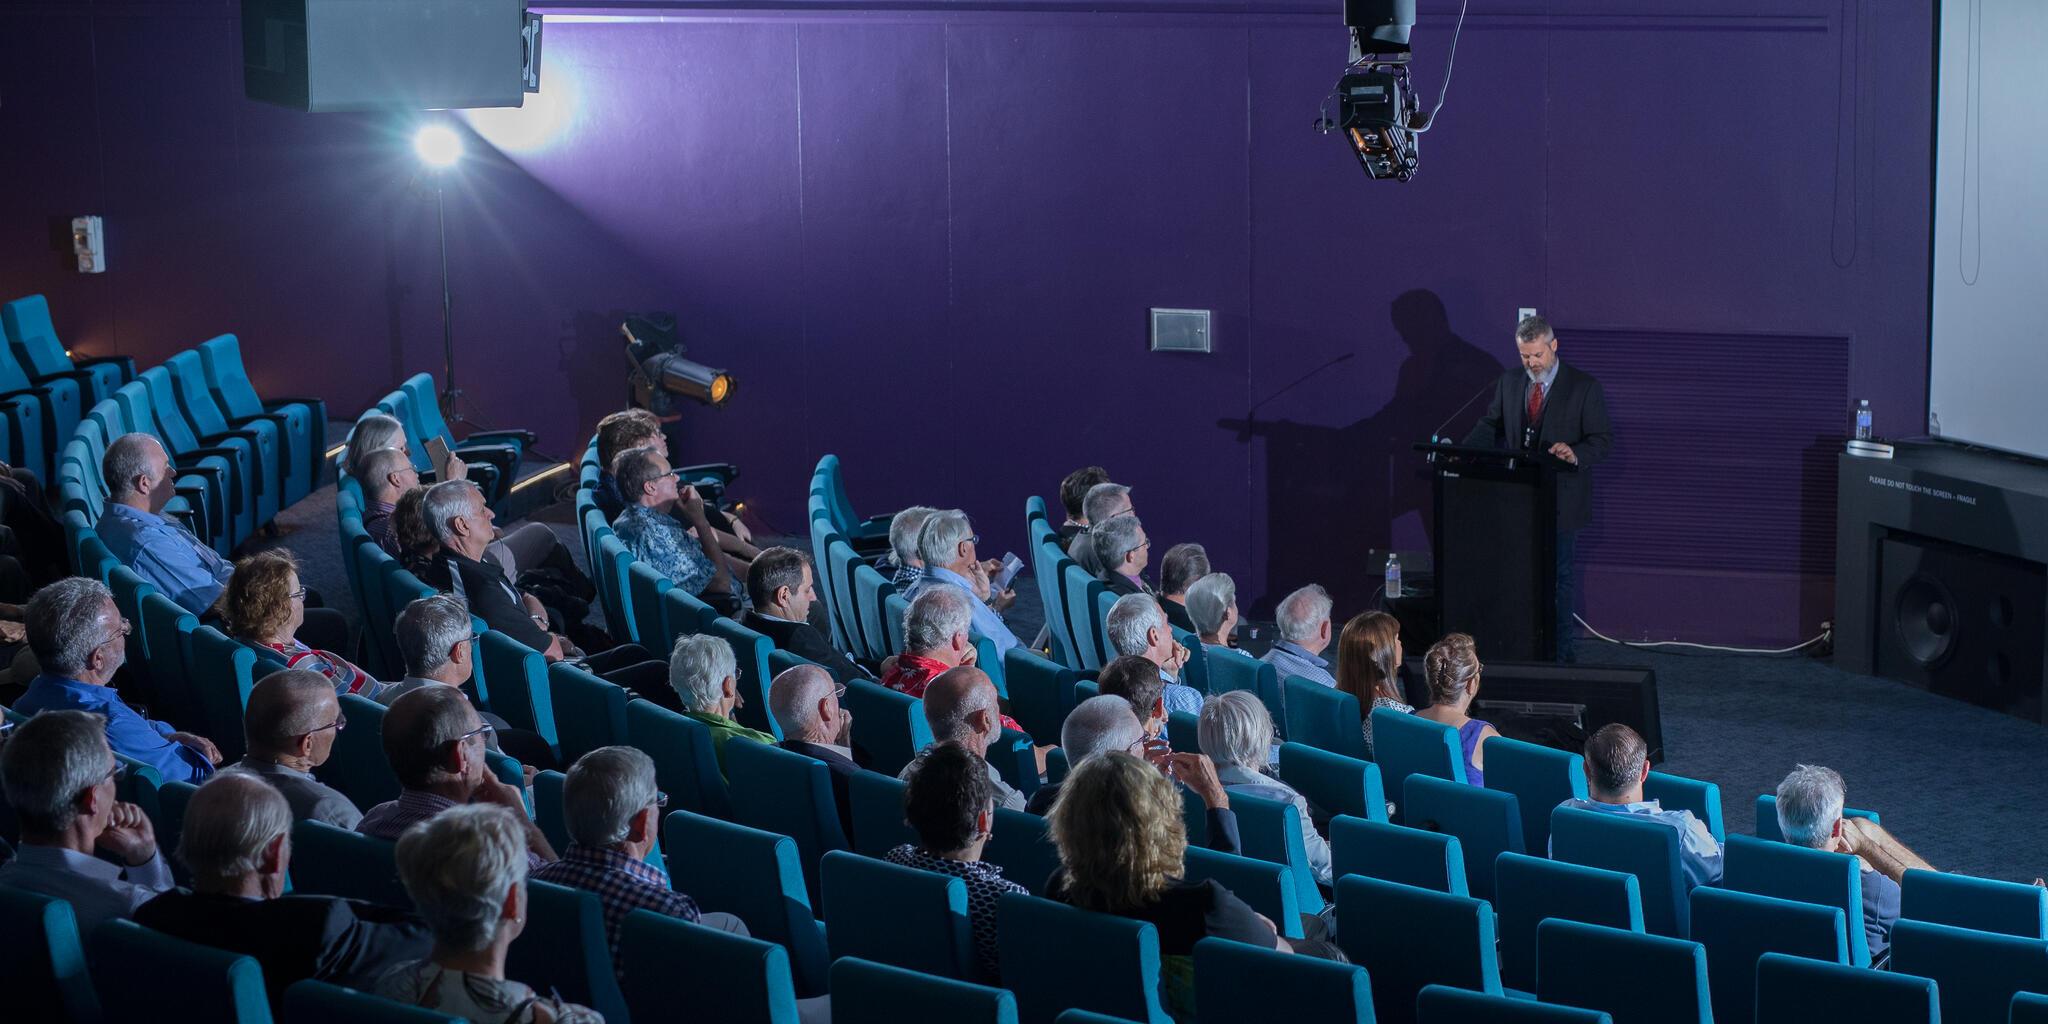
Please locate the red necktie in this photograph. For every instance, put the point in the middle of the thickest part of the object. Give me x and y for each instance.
(1535, 402)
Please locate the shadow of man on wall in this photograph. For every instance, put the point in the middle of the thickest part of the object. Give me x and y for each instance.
(1334, 492)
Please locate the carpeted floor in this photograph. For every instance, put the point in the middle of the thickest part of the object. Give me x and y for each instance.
(1738, 721)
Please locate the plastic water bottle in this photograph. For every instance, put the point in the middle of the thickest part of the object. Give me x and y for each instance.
(1863, 419)
(1393, 576)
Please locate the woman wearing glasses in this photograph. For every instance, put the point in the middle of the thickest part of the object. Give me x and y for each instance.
(264, 605)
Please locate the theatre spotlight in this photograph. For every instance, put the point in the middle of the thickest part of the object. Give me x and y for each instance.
(1376, 109)
(438, 146)
(660, 374)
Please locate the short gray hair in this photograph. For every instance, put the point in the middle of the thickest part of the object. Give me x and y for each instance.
(63, 623)
(1115, 539)
(1809, 803)
(418, 730)
(936, 615)
(1533, 328)
(793, 699)
(604, 790)
(1099, 725)
(1236, 729)
(126, 458)
(635, 468)
(443, 503)
(1102, 501)
(49, 760)
(774, 569)
(374, 432)
(698, 667)
(939, 539)
(1183, 565)
(428, 629)
(379, 463)
(458, 866)
(1130, 618)
(1209, 601)
(1301, 612)
(903, 528)
(228, 823)
(283, 706)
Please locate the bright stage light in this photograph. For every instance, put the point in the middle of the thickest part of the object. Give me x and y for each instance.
(545, 119)
(438, 146)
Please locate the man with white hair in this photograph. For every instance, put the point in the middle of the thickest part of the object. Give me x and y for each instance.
(437, 641)
(60, 779)
(140, 482)
(434, 741)
(1105, 501)
(236, 841)
(1212, 608)
(1236, 731)
(386, 474)
(1106, 724)
(1123, 550)
(903, 566)
(1304, 626)
(1810, 802)
(946, 544)
(704, 676)
(804, 701)
(1137, 627)
(289, 728)
(961, 706)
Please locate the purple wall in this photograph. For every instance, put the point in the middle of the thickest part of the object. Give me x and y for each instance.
(925, 237)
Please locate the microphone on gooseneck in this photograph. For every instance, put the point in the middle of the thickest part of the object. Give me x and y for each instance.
(1435, 435)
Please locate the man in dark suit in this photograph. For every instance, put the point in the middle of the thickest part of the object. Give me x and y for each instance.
(236, 838)
(783, 589)
(805, 703)
(1546, 406)
(1123, 550)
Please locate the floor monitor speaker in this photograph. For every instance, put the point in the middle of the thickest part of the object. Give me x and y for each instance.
(1962, 623)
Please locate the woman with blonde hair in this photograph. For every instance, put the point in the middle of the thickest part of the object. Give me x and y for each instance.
(265, 604)
(1452, 668)
(1369, 666)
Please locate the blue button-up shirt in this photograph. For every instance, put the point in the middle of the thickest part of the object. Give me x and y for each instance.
(1180, 696)
(1699, 855)
(986, 621)
(165, 554)
(1291, 659)
(129, 734)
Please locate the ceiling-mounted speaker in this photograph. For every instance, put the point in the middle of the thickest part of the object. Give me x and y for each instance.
(334, 55)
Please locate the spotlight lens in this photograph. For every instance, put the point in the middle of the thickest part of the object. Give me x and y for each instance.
(438, 146)
(721, 387)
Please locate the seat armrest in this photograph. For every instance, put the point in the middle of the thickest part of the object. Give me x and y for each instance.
(523, 438)
(126, 364)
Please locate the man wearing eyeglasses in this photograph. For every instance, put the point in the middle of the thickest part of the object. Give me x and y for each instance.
(435, 743)
(81, 640)
(947, 544)
(290, 725)
(686, 551)
(805, 702)
(78, 843)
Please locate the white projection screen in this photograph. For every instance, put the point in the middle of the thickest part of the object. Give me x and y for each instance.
(1988, 353)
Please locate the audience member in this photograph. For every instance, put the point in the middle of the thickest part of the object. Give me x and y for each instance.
(688, 556)
(804, 702)
(1237, 733)
(1212, 610)
(290, 726)
(960, 706)
(140, 481)
(1183, 565)
(1304, 627)
(1104, 502)
(264, 605)
(1369, 666)
(1123, 550)
(77, 842)
(902, 565)
(704, 676)
(466, 873)
(386, 474)
(420, 548)
(437, 642)
(29, 533)
(1101, 723)
(1452, 669)
(612, 811)
(950, 804)
(782, 588)
(1810, 802)
(638, 428)
(236, 841)
(946, 544)
(1074, 496)
(935, 639)
(427, 738)
(1136, 679)
(1617, 762)
(81, 640)
(1137, 626)
(376, 432)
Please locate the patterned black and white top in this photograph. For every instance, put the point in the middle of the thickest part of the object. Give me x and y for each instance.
(985, 888)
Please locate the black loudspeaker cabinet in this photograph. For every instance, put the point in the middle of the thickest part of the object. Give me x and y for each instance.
(1558, 705)
(1962, 623)
(329, 55)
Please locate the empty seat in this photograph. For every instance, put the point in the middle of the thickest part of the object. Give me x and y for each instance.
(356, 764)
(1530, 890)
(1540, 778)
(574, 959)
(1056, 957)
(1739, 927)
(1334, 782)
(667, 963)
(1487, 823)
(787, 793)
(1266, 887)
(1637, 978)
(44, 972)
(1405, 745)
(1322, 717)
(329, 861)
(140, 973)
(877, 804)
(223, 672)
(1987, 905)
(1795, 990)
(1977, 972)
(1396, 853)
(317, 1002)
(519, 687)
(1271, 830)
(1441, 1004)
(750, 656)
(1238, 982)
(647, 592)
(1798, 873)
(1021, 845)
(754, 875)
(1443, 940)
(866, 992)
(889, 725)
(897, 915)
(589, 712)
(685, 762)
(1639, 846)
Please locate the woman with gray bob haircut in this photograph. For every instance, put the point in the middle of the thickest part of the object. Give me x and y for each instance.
(1237, 733)
(1212, 606)
(465, 869)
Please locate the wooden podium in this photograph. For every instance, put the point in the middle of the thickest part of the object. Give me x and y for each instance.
(1495, 545)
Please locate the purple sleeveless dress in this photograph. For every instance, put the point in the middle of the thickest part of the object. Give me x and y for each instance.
(1468, 740)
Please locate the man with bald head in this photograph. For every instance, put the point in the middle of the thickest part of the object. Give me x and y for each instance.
(290, 726)
(435, 743)
(961, 705)
(805, 702)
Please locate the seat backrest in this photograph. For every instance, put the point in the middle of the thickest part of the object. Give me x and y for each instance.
(1441, 1004)
(685, 761)
(169, 629)
(317, 1002)
(667, 962)
(548, 812)
(357, 766)
(520, 693)
(750, 655)
(1739, 927)
(139, 972)
(1540, 778)
(189, 375)
(897, 915)
(1404, 745)
(576, 959)
(839, 563)
(754, 875)
(1267, 887)
(1678, 793)
(1444, 940)
(1271, 831)
(1334, 782)
(615, 561)
(788, 793)
(1083, 592)
(871, 593)
(1396, 853)
(684, 615)
(330, 861)
(1767, 817)
(1049, 567)
(895, 608)
(33, 336)
(1988, 905)
(1056, 957)
(1487, 823)
(1977, 972)
(1664, 980)
(890, 725)
(222, 358)
(645, 590)
(223, 673)
(1799, 873)
(1195, 672)
(1322, 717)
(44, 972)
(590, 712)
(1022, 846)
(1235, 981)
(1790, 988)
(1041, 692)
(2029, 1008)
(1639, 846)
(1529, 890)
(877, 804)
(867, 992)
